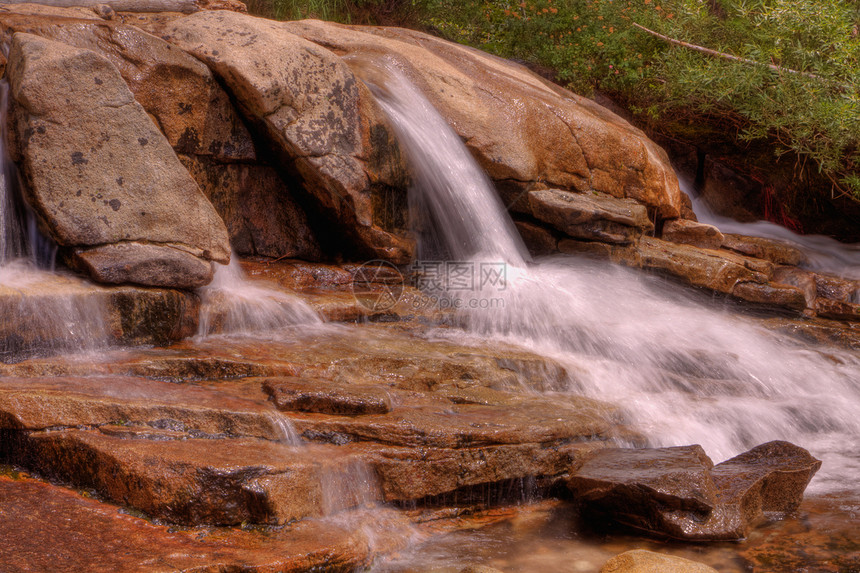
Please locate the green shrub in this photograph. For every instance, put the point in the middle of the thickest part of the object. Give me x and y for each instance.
(593, 45)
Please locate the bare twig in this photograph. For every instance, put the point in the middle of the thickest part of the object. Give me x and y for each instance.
(722, 55)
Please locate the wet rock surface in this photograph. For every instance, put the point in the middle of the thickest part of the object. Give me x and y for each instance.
(45, 525)
(678, 492)
(214, 450)
(693, 233)
(42, 313)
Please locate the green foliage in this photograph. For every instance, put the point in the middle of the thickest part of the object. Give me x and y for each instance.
(592, 45)
(345, 11)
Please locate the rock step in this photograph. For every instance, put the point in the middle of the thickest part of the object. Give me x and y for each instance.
(192, 481)
(42, 313)
(45, 525)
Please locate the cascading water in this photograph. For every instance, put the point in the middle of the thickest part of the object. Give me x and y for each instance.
(12, 244)
(686, 371)
(41, 312)
(231, 304)
(824, 254)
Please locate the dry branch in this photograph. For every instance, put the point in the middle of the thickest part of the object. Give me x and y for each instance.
(722, 55)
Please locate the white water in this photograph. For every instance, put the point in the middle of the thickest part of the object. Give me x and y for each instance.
(41, 312)
(686, 370)
(824, 253)
(232, 304)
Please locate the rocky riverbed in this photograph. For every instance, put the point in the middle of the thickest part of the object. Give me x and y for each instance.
(322, 403)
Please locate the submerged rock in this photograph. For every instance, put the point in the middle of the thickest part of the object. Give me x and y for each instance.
(642, 561)
(677, 492)
(97, 169)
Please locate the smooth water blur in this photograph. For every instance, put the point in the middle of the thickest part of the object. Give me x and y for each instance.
(467, 215)
(824, 253)
(232, 304)
(12, 245)
(41, 312)
(686, 369)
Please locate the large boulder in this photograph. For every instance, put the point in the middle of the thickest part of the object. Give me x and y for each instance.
(523, 130)
(176, 89)
(98, 171)
(196, 115)
(322, 121)
(678, 492)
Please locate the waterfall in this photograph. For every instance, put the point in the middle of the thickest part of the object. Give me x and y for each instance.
(12, 245)
(41, 312)
(685, 370)
(232, 304)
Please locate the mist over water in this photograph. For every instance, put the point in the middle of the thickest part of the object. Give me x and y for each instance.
(686, 369)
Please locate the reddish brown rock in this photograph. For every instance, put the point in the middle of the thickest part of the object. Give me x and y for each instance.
(778, 252)
(768, 480)
(590, 216)
(837, 288)
(540, 241)
(319, 396)
(677, 492)
(44, 525)
(258, 208)
(637, 485)
(771, 294)
(837, 310)
(689, 232)
(711, 269)
(194, 481)
(57, 402)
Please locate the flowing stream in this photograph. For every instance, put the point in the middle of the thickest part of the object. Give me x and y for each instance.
(686, 369)
(824, 253)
